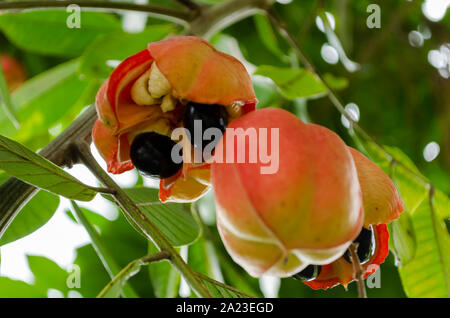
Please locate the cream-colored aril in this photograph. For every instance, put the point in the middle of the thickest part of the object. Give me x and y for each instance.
(161, 126)
(158, 85)
(168, 103)
(139, 92)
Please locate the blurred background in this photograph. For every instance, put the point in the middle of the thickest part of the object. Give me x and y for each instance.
(394, 81)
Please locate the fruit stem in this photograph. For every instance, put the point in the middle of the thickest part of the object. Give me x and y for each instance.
(357, 270)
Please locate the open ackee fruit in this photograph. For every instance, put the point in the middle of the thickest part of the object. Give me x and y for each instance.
(169, 85)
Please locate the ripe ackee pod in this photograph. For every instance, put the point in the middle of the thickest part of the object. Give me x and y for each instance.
(149, 91)
(382, 204)
(306, 212)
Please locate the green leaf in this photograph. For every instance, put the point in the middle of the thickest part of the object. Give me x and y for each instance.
(266, 91)
(174, 220)
(93, 276)
(102, 250)
(48, 274)
(163, 276)
(201, 257)
(442, 204)
(43, 82)
(294, 82)
(28, 166)
(402, 240)
(5, 99)
(267, 36)
(118, 46)
(220, 290)
(19, 289)
(336, 83)
(428, 274)
(114, 288)
(32, 216)
(39, 101)
(3, 177)
(46, 32)
(424, 260)
(123, 243)
(411, 189)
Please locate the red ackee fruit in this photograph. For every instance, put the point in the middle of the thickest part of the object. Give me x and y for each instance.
(148, 92)
(310, 210)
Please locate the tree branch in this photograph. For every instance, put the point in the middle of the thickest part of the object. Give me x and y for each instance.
(153, 10)
(125, 272)
(189, 4)
(156, 257)
(218, 17)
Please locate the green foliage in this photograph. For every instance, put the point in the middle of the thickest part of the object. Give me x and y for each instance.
(402, 239)
(294, 83)
(118, 46)
(52, 36)
(220, 290)
(174, 220)
(38, 103)
(267, 36)
(104, 254)
(31, 217)
(16, 288)
(48, 274)
(164, 278)
(5, 99)
(427, 275)
(117, 284)
(124, 245)
(419, 238)
(28, 166)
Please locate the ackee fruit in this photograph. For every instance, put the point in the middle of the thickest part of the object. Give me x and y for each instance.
(308, 212)
(382, 204)
(167, 86)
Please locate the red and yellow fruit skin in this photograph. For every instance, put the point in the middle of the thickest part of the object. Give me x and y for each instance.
(306, 213)
(198, 73)
(14, 72)
(382, 204)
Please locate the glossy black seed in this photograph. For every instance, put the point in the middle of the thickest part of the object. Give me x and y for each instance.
(309, 273)
(211, 116)
(366, 246)
(151, 154)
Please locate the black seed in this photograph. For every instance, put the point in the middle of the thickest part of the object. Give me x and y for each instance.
(151, 154)
(366, 245)
(212, 116)
(309, 273)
